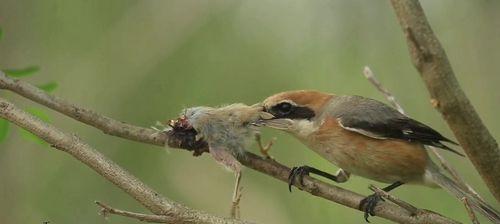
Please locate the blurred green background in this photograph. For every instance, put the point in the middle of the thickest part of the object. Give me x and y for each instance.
(143, 61)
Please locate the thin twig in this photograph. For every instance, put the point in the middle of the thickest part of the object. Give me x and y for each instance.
(414, 210)
(266, 166)
(367, 72)
(453, 172)
(470, 212)
(106, 210)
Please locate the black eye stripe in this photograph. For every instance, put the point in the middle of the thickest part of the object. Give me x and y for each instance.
(284, 108)
(287, 110)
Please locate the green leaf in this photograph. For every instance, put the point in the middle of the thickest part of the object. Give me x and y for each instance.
(4, 129)
(22, 71)
(1, 33)
(49, 87)
(42, 116)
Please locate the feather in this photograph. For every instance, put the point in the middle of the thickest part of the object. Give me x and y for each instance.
(377, 120)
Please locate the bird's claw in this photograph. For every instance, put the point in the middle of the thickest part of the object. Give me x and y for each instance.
(368, 205)
(298, 171)
(264, 150)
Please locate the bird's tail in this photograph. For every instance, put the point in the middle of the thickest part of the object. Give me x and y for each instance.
(474, 201)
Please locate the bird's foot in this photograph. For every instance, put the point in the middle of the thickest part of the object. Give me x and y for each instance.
(368, 205)
(297, 172)
(264, 150)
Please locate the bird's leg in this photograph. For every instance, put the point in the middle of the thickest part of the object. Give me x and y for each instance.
(235, 206)
(368, 204)
(340, 177)
(264, 150)
(222, 156)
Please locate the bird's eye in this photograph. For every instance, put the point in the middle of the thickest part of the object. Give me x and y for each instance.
(284, 108)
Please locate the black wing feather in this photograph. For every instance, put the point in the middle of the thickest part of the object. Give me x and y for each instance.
(380, 120)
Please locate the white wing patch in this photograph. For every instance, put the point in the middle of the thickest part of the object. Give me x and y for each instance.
(360, 131)
(407, 131)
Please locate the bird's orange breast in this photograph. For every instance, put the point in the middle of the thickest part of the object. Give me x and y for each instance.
(384, 160)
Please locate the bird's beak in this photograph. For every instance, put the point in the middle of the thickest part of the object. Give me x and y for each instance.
(279, 123)
(268, 120)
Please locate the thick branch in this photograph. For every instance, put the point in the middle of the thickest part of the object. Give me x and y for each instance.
(266, 166)
(108, 169)
(431, 61)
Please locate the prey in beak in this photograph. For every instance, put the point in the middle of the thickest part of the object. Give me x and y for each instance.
(267, 119)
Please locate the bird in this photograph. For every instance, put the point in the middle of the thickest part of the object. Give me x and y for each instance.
(228, 130)
(364, 137)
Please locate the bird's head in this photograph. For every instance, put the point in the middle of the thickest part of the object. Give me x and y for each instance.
(295, 111)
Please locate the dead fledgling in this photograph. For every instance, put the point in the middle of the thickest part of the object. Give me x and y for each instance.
(227, 130)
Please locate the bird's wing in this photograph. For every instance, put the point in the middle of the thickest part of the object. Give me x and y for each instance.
(377, 120)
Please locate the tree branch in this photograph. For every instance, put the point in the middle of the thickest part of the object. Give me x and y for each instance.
(108, 169)
(266, 166)
(103, 123)
(395, 200)
(368, 73)
(106, 209)
(430, 59)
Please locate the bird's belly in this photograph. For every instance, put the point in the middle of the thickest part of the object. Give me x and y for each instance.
(384, 160)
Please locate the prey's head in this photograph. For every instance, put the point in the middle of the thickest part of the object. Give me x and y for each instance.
(295, 111)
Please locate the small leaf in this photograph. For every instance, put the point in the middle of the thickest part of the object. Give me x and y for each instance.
(42, 116)
(4, 129)
(1, 33)
(22, 71)
(49, 87)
